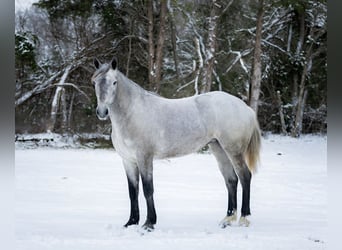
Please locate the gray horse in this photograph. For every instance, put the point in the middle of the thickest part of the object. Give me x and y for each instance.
(146, 126)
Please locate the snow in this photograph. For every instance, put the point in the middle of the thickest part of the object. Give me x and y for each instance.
(78, 199)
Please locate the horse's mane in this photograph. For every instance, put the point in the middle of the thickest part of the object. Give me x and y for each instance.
(135, 85)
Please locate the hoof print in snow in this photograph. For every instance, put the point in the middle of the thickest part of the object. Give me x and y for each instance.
(316, 240)
(224, 225)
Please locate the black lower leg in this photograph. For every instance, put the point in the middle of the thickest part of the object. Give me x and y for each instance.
(151, 212)
(133, 189)
(246, 183)
(232, 193)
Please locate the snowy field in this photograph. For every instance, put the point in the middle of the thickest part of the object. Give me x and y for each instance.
(78, 199)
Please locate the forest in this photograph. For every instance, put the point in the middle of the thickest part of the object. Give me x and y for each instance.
(271, 54)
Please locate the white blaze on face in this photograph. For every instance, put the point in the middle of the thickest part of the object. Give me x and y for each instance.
(105, 87)
(111, 76)
(111, 79)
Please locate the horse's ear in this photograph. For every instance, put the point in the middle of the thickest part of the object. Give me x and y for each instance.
(97, 63)
(114, 63)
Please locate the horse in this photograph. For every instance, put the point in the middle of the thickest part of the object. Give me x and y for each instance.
(146, 126)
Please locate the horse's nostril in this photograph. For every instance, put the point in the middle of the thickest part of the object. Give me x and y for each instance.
(106, 112)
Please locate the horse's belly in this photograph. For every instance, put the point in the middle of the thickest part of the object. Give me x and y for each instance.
(180, 147)
(176, 153)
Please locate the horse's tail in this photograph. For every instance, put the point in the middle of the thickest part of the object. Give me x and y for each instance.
(253, 149)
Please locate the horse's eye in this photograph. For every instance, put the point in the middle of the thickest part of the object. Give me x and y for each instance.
(94, 83)
(114, 82)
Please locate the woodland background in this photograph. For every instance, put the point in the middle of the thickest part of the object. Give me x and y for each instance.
(271, 54)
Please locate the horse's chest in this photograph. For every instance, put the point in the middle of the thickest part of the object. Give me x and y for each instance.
(124, 146)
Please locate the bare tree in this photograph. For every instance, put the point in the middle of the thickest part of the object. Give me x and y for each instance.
(217, 9)
(210, 51)
(302, 93)
(59, 96)
(254, 89)
(305, 45)
(173, 38)
(155, 45)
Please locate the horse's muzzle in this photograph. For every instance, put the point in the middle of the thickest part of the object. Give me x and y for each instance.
(102, 114)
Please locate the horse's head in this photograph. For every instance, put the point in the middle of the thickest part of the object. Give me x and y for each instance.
(105, 84)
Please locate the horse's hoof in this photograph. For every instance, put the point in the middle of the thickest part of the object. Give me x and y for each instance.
(244, 222)
(228, 220)
(130, 223)
(148, 227)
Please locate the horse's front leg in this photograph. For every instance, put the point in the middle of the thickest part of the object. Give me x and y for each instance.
(145, 165)
(132, 173)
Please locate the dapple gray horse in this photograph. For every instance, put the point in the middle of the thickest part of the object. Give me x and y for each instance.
(146, 126)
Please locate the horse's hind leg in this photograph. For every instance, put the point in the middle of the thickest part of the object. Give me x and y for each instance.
(245, 176)
(230, 179)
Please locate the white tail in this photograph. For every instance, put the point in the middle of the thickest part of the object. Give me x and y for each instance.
(253, 149)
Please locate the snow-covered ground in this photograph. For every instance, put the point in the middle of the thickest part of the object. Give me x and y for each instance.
(78, 199)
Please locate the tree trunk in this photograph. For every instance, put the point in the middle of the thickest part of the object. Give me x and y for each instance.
(64, 123)
(160, 46)
(299, 47)
(297, 127)
(151, 70)
(281, 114)
(289, 39)
(173, 38)
(129, 48)
(70, 111)
(208, 68)
(254, 88)
(198, 66)
(54, 109)
(56, 101)
(300, 105)
(156, 47)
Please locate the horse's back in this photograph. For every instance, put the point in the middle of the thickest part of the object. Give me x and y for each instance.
(224, 105)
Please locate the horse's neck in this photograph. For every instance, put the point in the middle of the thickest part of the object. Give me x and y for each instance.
(130, 90)
(132, 86)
